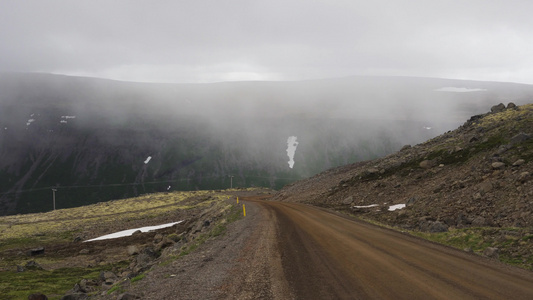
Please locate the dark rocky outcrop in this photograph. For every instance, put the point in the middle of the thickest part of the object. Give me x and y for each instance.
(37, 296)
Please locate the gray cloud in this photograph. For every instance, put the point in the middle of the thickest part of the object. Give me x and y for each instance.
(204, 41)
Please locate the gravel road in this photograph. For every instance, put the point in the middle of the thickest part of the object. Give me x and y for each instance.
(294, 251)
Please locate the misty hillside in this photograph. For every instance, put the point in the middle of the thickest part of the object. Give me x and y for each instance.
(477, 175)
(95, 140)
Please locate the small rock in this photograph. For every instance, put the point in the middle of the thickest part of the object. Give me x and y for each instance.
(37, 296)
(32, 265)
(469, 250)
(132, 250)
(348, 200)
(518, 163)
(108, 277)
(128, 296)
(36, 251)
(492, 252)
(427, 164)
(372, 170)
(511, 105)
(411, 201)
(524, 176)
(485, 187)
(20, 269)
(158, 238)
(137, 232)
(76, 296)
(498, 165)
(84, 251)
(405, 147)
(166, 242)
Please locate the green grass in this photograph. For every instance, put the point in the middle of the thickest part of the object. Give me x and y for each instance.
(479, 238)
(54, 284)
(116, 288)
(137, 278)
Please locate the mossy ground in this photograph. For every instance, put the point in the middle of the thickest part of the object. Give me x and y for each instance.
(22, 232)
(53, 283)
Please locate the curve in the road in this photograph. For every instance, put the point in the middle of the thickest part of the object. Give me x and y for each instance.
(329, 256)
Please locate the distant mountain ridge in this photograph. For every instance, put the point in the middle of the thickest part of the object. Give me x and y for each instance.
(90, 138)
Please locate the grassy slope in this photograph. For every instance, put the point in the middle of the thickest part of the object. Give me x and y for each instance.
(60, 226)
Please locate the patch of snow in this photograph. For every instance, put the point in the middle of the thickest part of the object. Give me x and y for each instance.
(63, 121)
(30, 121)
(291, 149)
(427, 127)
(395, 207)
(147, 160)
(458, 90)
(168, 188)
(365, 206)
(68, 117)
(129, 232)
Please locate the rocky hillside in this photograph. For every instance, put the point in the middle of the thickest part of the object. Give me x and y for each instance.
(477, 176)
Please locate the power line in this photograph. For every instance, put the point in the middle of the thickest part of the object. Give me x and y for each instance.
(134, 184)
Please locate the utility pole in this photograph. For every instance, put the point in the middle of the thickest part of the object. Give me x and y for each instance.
(54, 192)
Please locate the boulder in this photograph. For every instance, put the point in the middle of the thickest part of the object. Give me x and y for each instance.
(511, 105)
(497, 108)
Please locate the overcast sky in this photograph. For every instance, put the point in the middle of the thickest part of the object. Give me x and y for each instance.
(218, 40)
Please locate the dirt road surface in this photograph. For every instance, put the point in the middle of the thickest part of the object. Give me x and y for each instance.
(293, 251)
(329, 256)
